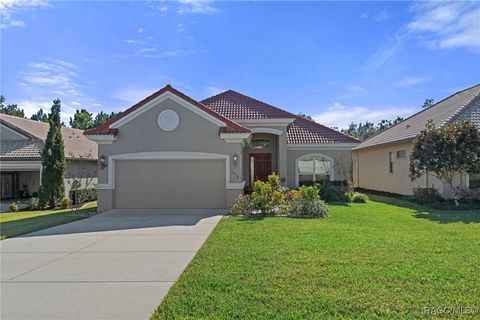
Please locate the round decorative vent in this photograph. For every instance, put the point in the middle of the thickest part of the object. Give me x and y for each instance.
(168, 120)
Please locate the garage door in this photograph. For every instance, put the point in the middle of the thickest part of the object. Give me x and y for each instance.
(170, 184)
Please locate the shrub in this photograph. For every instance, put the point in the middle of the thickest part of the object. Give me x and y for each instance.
(267, 197)
(358, 197)
(466, 195)
(13, 206)
(34, 203)
(426, 196)
(306, 202)
(332, 193)
(64, 203)
(242, 206)
(35, 194)
(349, 197)
(84, 195)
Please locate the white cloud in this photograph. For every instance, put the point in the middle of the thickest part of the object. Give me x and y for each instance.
(9, 8)
(47, 80)
(385, 52)
(133, 95)
(356, 88)
(411, 81)
(211, 91)
(341, 116)
(378, 17)
(196, 6)
(447, 24)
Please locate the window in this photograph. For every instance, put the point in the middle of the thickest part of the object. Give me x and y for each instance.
(401, 154)
(260, 144)
(390, 162)
(474, 181)
(313, 168)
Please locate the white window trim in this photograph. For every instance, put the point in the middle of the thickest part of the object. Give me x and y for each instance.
(164, 96)
(168, 155)
(332, 167)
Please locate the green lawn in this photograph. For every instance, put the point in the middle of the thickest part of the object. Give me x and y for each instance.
(16, 223)
(368, 261)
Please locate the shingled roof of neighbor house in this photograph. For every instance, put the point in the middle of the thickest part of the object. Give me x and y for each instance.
(464, 104)
(104, 129)
(76, 144)
(234, 105)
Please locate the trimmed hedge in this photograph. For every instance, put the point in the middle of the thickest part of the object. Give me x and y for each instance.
(89, 194)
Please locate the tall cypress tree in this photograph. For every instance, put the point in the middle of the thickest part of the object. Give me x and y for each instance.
(53, 188)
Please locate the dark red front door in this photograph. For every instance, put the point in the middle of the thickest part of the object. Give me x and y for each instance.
(260, 166)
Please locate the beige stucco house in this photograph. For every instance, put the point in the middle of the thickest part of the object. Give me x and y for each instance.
(170, 151)
(21, 147)
(381, 163)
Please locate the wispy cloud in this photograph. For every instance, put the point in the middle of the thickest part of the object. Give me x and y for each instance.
(356, 88)
(378, 16)
(411, 81)
(385, 52)
(447, 24)
(212, 90)
(9, 8)
(341, 115)
(43, 81)
(132, 95)
(196, 6)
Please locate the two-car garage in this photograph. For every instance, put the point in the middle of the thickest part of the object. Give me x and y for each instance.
(169, 183)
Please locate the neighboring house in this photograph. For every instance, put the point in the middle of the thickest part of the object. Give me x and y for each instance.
(382, 162)
(170, 151)
(22, 143)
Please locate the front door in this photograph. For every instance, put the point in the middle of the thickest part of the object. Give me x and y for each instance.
(260, 166)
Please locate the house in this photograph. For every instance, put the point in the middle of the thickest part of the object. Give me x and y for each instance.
(22, 143)
(382, 162)
(170, 151)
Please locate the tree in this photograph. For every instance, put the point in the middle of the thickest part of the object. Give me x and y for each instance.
(363, 131)
(428, 103)
(446, 151)
(102, 117)
(40, 116)
(82, 119)
(303, 115)
(53, 154)
(10, 109)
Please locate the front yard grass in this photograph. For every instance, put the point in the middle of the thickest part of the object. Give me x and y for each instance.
(385, 259)
(16, 223)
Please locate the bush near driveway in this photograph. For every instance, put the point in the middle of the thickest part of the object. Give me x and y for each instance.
(376, 260)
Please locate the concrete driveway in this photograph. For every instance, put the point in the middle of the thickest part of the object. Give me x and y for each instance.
(116, 265)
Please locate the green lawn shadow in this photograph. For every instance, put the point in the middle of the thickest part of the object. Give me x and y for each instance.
(440, 216)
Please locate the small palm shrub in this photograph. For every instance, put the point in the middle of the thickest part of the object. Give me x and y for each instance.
(13, 207)
(34, 203)
(358, 197)
(330, 192)
(426, 196)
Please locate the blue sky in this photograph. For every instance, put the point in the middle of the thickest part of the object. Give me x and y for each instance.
(337, 61)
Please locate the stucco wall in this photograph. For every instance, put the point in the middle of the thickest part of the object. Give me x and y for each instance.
(342, 160)
(371, 171)
(84, 171)
(194, 134)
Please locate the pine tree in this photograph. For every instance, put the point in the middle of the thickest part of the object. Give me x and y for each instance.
(53, 189)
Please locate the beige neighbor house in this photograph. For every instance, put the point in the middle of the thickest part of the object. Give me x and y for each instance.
(170, 151)
(381, 163)
(22, 143)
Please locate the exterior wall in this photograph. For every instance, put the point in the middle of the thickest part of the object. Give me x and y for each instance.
(85, 171)
(273, 150)
(31, 179)
(9, 134)
(371, 171)
(142, 134)
(342, 163)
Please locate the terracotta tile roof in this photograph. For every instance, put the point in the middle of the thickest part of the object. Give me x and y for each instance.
(76, 144)
(303, 131)
(235, 105)
(231, 126)
(460, 105)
